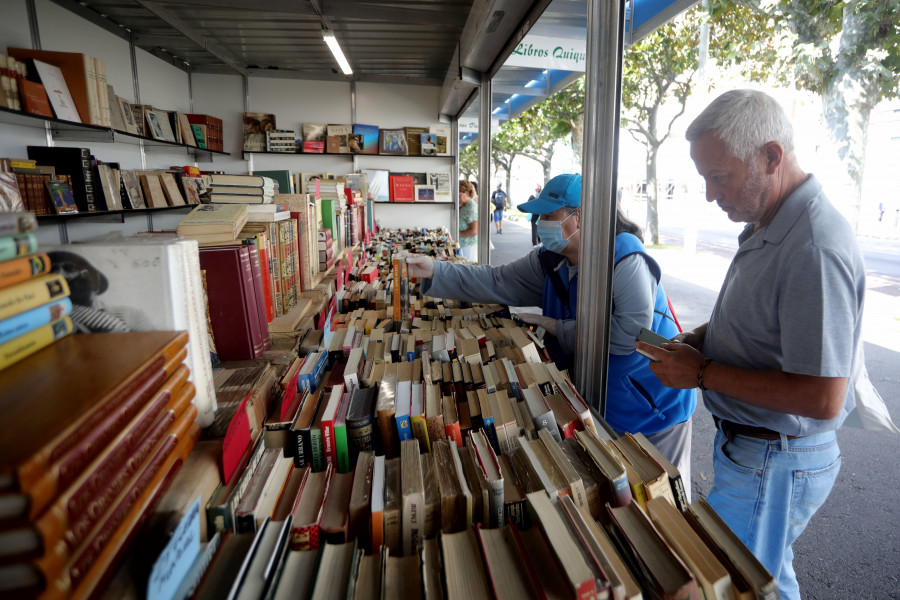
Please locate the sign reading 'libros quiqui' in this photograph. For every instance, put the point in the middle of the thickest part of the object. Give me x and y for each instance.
(549, 53)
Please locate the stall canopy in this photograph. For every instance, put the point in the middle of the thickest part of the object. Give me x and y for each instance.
(421, 42)
(552, 56)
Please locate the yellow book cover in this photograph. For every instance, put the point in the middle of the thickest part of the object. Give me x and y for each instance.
(37, 339)
(31, 294)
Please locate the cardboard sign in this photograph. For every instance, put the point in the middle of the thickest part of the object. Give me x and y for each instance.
(177, 558)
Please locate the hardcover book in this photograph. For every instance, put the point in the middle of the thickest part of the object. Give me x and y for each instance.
(76, 163)
(142, 285)
(402, 188)
(254, 133)
(234, 312)
(392, 141)
(365, 139)
(35, 443)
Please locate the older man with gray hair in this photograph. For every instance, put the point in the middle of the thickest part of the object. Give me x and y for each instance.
(775, 358)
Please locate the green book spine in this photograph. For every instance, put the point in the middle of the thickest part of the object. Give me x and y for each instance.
(342, 448)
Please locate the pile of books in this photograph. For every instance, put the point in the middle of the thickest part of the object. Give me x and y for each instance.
(241, 189)
(83, 468)
(34, 303)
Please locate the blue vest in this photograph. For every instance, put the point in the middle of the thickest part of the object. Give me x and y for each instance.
(635, 399)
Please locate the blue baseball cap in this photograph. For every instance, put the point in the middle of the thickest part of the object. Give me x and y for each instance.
(561, 191)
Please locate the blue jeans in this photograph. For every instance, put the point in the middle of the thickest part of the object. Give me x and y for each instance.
(767, 491)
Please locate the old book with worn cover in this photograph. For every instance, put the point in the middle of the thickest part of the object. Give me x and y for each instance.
(75, 162)
(214, 218)
(45, 447)
(657, 567)
(233, 310)
(711, 575)
(509, 569)
(148, 285)
(463, 568)
(579, 576)
(309, 509)
(746, 570)
(412, 489)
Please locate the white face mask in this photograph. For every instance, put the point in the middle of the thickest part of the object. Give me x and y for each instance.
(551, 236)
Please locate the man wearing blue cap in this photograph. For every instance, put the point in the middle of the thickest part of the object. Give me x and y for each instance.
(548, 277)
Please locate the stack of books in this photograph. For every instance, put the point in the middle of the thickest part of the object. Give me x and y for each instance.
(241, 189)
(34, 303)
(213, 224)
(281, 140)
(326, 249)
(81, 470)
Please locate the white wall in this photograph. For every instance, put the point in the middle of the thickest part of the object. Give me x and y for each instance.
(164, 86)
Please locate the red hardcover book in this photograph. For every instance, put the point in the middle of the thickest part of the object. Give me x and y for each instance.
(64, 525)
(45, 446)
(265, 270)
(403, 188)
(259, 294)
(96, 563)
(232, 302)
(107, 510)
(34, 98)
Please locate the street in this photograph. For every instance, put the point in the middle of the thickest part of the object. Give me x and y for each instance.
(851, 548)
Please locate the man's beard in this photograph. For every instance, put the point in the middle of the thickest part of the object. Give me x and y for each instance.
(751, 203)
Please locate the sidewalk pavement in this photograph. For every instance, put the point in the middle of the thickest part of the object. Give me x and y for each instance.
(881, 319)
(881, 316)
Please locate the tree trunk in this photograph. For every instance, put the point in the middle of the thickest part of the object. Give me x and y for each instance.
(652, 205)
(578, 138)
(847, 104)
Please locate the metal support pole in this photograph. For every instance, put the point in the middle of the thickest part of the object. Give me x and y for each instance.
(453, 147)
(484, 171)
(246, 83)
(601, 125)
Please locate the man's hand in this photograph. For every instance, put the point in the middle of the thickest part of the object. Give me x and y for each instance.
(693, 337)
(548, 323)
(676, 364)
(419, 265)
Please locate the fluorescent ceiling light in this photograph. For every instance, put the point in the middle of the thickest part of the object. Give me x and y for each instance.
(336, 50)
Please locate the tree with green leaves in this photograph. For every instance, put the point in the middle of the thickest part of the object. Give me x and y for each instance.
(659, 68)
(846, 51)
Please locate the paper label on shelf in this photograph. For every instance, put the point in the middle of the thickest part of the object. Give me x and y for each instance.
(177, 558)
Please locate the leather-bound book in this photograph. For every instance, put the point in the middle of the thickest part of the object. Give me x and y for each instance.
(232, 302)
(46, 444)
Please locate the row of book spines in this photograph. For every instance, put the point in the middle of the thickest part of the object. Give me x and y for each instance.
(56, 466)
(33, 189)
(76, 527)
(89, 503)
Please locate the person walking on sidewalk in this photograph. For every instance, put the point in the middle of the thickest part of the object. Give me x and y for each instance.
(775, 358)
(468, 221)
(499, 200)
(535, 238)
(548, 277)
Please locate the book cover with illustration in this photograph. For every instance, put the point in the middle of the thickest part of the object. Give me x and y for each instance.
(255, 127)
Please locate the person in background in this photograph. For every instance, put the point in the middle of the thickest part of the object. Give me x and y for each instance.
(776, 356)
(535, 238)
(499, 200)
(548, 277)
(468, 221)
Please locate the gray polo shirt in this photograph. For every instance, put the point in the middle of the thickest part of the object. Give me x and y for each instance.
(792, 301)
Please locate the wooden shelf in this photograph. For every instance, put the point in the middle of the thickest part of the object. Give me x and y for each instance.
(70, 130)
